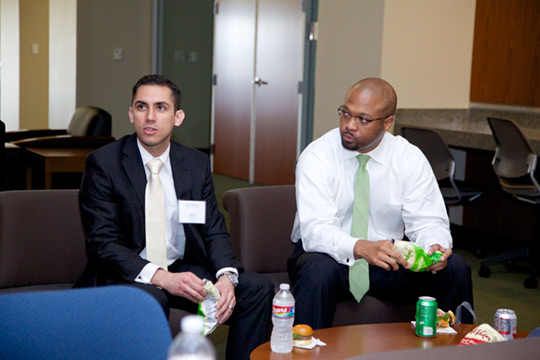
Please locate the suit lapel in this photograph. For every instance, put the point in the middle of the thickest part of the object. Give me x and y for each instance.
(133, 166)
(181, 173)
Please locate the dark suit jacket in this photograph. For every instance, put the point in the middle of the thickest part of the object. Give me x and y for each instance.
(111, 200)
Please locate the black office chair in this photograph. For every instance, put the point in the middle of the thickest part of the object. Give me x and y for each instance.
(455, 192)
(514, 164)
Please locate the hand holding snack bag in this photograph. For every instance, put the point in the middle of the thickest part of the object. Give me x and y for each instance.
(418, 258)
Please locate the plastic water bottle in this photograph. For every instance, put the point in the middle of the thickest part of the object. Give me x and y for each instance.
(191, 344)
(282, 318)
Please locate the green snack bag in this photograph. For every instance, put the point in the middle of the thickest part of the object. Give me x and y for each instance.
(207, 308)
(418, 258)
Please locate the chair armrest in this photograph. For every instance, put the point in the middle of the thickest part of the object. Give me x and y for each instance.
(27, 134)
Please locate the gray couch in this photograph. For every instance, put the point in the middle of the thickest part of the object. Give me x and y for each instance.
(261, 220)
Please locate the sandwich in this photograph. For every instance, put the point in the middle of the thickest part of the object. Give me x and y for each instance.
(445, 319)
(302, 335)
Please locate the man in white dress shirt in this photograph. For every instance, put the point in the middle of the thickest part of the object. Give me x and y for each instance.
(404, 199)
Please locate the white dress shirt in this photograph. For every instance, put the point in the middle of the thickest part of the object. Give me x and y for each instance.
(174, 230)
(404, 197)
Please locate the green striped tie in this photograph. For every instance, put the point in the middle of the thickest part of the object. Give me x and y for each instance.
(359, 272)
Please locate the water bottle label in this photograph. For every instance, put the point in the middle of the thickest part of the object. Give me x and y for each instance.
(283, 312)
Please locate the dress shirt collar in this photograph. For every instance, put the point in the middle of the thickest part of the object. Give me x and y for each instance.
(379, 154)
(146, 156)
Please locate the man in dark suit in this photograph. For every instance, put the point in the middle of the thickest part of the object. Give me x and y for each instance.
(112, 203)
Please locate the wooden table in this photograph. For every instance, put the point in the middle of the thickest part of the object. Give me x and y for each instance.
(51, 160)
(348, 341)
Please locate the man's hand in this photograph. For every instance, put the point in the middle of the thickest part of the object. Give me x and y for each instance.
(379, 253)
(185, 284)
(227, 300)
(444, 258)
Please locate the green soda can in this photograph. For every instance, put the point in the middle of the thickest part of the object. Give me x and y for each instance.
(426, 316)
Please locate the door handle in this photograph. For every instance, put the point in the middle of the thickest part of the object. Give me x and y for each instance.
(258, 81)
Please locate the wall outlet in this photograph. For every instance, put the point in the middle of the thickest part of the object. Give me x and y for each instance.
(118, 54)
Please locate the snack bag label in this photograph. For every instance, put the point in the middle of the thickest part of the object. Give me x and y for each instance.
(283, 312)
(418, 258)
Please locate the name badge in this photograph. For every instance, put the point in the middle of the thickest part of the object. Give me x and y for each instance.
(192, 212)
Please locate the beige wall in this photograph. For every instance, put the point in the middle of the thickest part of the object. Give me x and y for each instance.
(422, 47)
(9, 42)
(349, 48)
(62, 62)
(34, 67)
(427, 51)
(102, 26)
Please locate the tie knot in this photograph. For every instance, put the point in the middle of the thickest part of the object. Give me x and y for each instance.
(363, 159)
(154, 166)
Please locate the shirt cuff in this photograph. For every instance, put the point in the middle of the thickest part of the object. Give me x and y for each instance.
(147, 273)
(346, 250)
(226, 269)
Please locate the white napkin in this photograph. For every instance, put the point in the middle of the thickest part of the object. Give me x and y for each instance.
(447, 330)
(314, 343)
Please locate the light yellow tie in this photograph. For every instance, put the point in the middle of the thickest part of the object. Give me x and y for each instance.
(359, 272)
(156, 247)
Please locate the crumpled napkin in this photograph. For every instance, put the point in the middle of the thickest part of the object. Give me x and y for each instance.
(314, 343)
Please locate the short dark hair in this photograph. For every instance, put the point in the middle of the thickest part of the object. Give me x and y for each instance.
(159, 80)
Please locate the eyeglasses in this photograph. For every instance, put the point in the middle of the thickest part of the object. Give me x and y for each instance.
(344, 115)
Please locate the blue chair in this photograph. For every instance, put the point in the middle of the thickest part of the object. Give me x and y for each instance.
(110, 322)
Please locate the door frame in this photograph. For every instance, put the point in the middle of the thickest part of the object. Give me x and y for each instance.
(306, 88)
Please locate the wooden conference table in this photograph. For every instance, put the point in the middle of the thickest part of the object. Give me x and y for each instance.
(52, 160)
(347, 341)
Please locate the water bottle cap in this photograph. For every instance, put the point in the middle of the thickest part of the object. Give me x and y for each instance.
(192, 324)
(284, 287)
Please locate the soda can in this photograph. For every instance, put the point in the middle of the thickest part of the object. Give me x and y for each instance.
(426, 316)
(505, 322)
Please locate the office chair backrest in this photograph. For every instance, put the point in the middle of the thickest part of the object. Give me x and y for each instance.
(515, 160)
(110, 322)
(90, 121)
(514, 155)
(434, 148)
